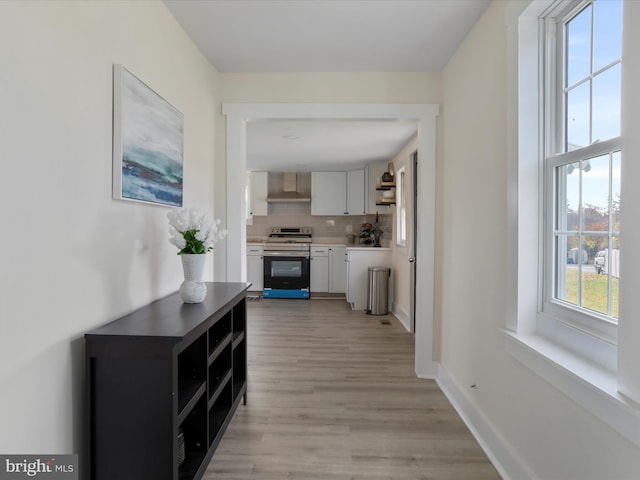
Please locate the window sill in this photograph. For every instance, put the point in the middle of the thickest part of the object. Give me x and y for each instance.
(591, 386)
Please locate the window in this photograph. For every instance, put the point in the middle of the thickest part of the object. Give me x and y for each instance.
(401, 208)
(556, 171)
(582, 163)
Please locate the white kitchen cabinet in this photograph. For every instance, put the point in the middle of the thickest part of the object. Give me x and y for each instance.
(337, 269)
(255, 267)
(338, 193)
(359, 259)
(319, 268)
(328, 193)
(258, 187)
(356, 192)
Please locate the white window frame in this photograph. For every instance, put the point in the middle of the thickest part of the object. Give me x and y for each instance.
(553, 46)
(587, 368)
(401, 207)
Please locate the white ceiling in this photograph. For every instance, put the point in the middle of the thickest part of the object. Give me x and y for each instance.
(298, 146)
(326, 36)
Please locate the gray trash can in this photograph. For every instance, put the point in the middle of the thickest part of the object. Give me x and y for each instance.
(378, 291)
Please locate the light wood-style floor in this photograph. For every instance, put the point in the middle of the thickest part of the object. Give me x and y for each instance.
(332, 394)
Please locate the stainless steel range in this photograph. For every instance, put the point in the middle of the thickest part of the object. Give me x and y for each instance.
(286, 263)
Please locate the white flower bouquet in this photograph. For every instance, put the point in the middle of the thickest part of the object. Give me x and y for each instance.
(193, 232)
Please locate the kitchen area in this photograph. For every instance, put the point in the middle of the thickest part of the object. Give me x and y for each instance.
(314, 235)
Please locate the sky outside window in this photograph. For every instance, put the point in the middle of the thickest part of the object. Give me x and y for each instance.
(592, 93)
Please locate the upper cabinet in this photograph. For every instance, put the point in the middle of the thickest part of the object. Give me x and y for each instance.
(356, 192)
(329, 193)
(338, 193)
(257, 198)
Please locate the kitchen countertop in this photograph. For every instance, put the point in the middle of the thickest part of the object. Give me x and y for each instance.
(361, 248)
(351, 246)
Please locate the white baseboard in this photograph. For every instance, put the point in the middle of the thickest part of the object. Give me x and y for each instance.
(502, 456)
(402, 316)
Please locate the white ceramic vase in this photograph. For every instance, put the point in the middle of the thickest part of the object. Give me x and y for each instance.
(193, 289)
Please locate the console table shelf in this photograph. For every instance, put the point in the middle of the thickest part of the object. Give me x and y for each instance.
(167, 371)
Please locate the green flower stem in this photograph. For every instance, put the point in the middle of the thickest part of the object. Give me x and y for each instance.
(194, 246)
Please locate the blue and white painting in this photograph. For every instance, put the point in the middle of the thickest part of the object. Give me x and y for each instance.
(148, 143)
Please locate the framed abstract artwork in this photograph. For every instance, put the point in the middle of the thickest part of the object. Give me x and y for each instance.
(147, 143)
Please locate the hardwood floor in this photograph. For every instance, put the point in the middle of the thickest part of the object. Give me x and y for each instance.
(332, 394)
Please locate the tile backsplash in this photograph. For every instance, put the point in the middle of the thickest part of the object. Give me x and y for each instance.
(326, 229)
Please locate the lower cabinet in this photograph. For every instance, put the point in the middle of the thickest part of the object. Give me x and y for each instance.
(337, 269)
(163, 384)
(255, 267)
(319, 268)
(328, 268)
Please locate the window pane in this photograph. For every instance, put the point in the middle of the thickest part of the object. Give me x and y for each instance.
(568, 197)
(607, 32)
(606, 104)
(607, 267)
(403, 210)
(595, 287)
(567, 261)
(614, 278)
(578, 117)
(595, 194)
(615, 185)
(579, 47)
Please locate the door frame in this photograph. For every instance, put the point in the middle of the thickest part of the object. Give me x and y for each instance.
(237, 117)
(413, 251)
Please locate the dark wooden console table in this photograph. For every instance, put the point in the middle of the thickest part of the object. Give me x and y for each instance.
(163, 384)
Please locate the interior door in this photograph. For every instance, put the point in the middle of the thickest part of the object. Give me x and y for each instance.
(413, 240)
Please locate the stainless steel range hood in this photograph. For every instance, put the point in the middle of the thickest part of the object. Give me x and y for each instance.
(289, 191)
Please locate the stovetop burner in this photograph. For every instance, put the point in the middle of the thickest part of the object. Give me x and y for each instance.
(290, 235)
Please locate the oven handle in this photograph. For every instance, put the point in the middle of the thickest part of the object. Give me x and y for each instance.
(286, 254)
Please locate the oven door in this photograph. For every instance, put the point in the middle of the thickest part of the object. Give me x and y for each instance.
(286, 274)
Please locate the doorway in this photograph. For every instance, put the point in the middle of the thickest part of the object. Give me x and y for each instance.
(237, 115)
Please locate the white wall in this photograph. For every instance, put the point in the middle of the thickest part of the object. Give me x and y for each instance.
(401, 254)
(369, 87)
(534, 429)
(72, 258)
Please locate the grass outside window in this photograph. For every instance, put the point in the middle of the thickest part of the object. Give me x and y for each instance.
(594, 291)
